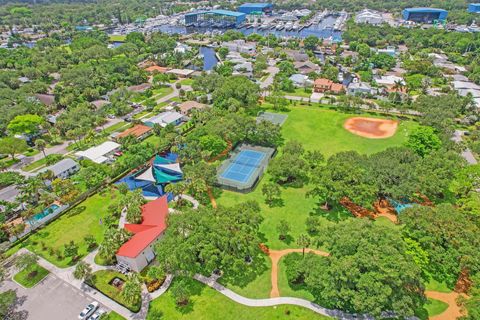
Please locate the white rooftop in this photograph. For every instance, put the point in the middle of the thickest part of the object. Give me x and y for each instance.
(97, 154)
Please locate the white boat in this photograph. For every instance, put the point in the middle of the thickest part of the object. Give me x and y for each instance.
(280, 26)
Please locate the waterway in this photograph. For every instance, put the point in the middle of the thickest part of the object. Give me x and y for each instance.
(322, 30)
(209, 58)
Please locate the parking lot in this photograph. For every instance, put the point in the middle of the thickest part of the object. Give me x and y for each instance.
(52, 299)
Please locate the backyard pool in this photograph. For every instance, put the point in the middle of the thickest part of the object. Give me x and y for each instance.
(39, 216)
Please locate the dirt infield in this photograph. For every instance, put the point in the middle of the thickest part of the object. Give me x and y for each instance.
(371, 127)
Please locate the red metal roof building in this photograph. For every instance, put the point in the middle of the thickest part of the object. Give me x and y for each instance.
(138, 252)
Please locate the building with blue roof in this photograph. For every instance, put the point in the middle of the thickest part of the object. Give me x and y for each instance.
(249, 8)
(424, 15)
(215, 18)
(474, 7)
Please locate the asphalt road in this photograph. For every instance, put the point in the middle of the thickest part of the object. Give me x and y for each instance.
(52, 299)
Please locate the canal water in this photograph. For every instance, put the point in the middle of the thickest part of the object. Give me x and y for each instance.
(322, 30)
(209, 58)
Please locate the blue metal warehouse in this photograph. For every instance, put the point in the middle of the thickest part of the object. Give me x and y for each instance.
(215, 19)
(424, 15)
(474, 7)
(248, 8)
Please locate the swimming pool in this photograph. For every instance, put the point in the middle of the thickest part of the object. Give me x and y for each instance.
(39, 216)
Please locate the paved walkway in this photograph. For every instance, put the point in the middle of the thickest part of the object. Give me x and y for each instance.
(211, 282)
(275, 256)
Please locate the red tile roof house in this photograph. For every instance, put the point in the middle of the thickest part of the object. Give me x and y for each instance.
(325, 85)
(138, 252)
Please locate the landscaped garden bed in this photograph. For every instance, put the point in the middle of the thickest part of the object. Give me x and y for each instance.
(30, 276)
(111, 284)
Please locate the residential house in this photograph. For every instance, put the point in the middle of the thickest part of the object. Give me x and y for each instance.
(323, 85)
(46, 99)
(156, 69)
(138, 251)
(100, 154)
(300, 80)
(359, 88)
(296, 55)
(181, 73)
(181, 48)
(140, 88)
(62, 169)
(97, 104)
(390, 82)
(245, 68)
(306, 67)
(241, 46)
(187, 106)
(165, 118)
(138, 131)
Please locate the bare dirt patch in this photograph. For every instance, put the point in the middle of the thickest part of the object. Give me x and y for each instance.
(371, 128)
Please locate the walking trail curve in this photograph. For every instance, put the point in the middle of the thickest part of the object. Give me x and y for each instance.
(453, 311)
(275, 256)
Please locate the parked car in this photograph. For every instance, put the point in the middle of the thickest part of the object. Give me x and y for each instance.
(97, 314)
(88, 311)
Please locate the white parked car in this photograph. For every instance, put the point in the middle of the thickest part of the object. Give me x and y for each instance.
(97, 314)
(88, 311)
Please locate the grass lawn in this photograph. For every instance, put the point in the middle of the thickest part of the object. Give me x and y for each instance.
(74, 225)
(299, 92)
(122, 125)
(256, 285)
(322, 129)
(161, 92)
(101, 280)
(117, 38)
(186, 82)
(207, 304)
(113, 316)
(31, 276)
(431, 308)
(434, 285)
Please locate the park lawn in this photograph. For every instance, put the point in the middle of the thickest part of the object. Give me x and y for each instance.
(101, 280)
(78, 222)
(256, 285)
(435, 307)
(29, 277)
(296, 208)
(207, 304)
(434, 285)
(431, 308)
(322, 129)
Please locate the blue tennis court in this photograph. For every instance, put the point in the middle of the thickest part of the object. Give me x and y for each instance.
(243, 165)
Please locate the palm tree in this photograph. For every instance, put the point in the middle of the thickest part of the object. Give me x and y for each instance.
(132, 290)
(83, 271)
(303, 241)
(41, 144)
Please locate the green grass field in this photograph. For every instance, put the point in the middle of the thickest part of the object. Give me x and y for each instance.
(434, 285)
(207, 304)
(74, 225)
(117, 38)
(113, 316)
(31, 276)
(322, 129)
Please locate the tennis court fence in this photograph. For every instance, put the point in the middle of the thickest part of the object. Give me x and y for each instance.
(248, 168)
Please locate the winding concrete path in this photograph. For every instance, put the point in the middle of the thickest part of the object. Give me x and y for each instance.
(212, 283)
(275, 256)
